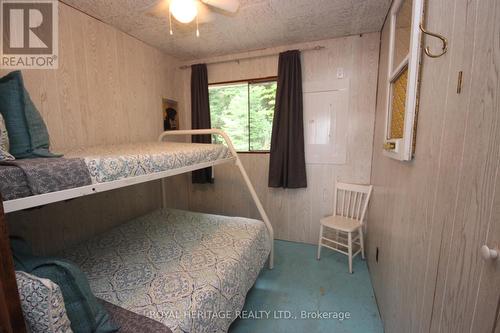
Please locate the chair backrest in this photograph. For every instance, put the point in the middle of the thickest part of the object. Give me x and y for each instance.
(351, 200)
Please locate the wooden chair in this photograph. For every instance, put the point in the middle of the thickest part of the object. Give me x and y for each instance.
(349, 208)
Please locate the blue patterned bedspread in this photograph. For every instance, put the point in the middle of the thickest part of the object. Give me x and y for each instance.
(186, 270)
(33, 176)
(108, 163)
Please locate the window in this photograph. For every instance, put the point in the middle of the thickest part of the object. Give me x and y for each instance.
(244, 110)
(402, 84)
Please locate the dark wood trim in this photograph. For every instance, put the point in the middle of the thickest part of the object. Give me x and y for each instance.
(5, 325)
(254, 80)
(11, 314)
(497, 317)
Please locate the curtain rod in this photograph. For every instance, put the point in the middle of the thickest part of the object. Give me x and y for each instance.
(315, 48)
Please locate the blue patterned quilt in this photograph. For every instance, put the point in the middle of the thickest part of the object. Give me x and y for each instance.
(113, 162)
(33, 176)
(190, 271)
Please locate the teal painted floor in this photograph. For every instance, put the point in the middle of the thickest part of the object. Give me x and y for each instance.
(299, 283)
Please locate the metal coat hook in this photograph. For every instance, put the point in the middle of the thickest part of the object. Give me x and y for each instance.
(443, 40)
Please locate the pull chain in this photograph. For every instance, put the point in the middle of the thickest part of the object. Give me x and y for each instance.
(197, 30)
(170, 21)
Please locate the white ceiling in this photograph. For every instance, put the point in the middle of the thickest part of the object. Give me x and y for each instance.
(257, 24)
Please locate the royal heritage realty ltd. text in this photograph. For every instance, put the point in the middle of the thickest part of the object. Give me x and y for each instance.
(261, 314)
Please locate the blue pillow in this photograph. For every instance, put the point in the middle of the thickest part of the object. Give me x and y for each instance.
(86, 314)
(28, 133)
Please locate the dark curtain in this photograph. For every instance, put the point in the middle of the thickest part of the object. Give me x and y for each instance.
(287, 166)
(200, 116)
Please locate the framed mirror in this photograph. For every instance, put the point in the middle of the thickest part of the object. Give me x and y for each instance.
(403, 78)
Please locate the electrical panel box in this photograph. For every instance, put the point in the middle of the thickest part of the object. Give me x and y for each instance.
(326, 107)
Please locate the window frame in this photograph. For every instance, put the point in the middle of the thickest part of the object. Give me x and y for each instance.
(402, 149)
(248, 82)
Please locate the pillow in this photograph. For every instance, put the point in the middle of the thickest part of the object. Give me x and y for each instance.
(4, 142)
(28, 134)
(84, 311)
(43, 305)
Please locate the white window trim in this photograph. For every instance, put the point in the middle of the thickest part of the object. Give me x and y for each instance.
(403, 147)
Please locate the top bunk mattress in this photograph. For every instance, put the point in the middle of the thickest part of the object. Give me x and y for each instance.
(101, 164)
(114, 162)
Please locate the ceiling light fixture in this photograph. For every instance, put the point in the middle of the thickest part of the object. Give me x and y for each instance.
(184, 11)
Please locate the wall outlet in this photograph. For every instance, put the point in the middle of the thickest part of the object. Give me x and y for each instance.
(340, 72)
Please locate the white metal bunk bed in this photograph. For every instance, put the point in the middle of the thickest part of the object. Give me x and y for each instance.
(52, 197)
(179, 260)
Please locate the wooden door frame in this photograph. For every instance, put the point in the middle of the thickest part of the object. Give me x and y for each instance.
(11, 314)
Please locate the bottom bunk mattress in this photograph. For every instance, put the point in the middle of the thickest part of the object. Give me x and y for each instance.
(189, 271)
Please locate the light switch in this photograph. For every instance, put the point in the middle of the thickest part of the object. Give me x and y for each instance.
(340, 72)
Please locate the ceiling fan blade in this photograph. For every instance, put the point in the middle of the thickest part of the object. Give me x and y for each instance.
(205, 15)
(158, 9)
(230, 6)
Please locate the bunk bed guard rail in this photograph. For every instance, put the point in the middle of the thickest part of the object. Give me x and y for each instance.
(242, 170)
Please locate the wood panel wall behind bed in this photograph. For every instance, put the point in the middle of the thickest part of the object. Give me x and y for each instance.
(108, 89)
(295, 213)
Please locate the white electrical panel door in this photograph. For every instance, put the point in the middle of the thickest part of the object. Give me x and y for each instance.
(325, 126)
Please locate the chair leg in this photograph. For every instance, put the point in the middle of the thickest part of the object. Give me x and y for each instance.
(362, 243)
(319, 242)
(349, 244)
(337, 238)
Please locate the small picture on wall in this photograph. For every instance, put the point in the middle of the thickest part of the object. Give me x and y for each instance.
(170, 115)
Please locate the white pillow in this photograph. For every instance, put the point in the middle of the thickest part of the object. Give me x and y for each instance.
(43, 304)
(4, 142)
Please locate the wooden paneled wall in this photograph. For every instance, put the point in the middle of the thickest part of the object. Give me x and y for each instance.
(295, 213)
(108, 89)
(428, 218)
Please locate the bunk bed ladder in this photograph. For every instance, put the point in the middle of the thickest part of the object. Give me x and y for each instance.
(244, 174)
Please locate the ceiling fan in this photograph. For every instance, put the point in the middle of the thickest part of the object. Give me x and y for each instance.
(185, 11)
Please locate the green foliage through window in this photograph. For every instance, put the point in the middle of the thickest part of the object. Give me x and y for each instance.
(245, 112)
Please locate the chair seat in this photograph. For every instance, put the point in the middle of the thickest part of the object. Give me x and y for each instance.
(341, 223)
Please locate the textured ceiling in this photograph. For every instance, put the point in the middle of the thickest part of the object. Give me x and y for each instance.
(257, 24)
